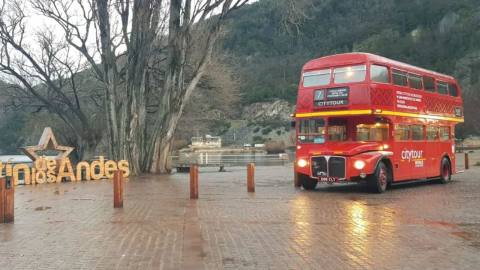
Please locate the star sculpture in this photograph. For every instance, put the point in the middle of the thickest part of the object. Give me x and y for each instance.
(47, 142)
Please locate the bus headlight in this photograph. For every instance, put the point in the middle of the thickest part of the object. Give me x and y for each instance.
(302, 163)
(359, 164)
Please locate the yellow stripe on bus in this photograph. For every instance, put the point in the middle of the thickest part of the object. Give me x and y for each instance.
(426, 116)
(333, 113)
(378, 112)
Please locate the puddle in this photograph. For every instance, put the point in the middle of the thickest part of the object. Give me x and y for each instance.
(437, 223)
(41, 208)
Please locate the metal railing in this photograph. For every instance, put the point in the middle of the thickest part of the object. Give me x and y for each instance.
(216, 159)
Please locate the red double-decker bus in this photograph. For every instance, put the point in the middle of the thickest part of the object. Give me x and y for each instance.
(363, 117)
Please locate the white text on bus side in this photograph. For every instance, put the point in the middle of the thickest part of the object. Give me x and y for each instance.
(412, 154)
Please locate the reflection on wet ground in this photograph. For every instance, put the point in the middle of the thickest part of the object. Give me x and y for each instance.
(74, 226)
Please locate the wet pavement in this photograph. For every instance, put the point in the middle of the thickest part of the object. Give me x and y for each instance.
(74, 225)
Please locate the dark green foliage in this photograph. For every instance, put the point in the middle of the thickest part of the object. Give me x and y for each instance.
(11, 133)
(258, 139)
(433, 34)
(266, 131)
(220, 127)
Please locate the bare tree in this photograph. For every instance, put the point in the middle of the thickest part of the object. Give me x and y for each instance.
(185, 17)
(46, 76)
(128, 44)
(147, 147)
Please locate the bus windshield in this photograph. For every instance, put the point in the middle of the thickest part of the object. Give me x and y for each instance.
(311, 131)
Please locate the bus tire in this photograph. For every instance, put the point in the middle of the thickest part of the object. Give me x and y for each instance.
(378, 181)
(307, 182)
(445, 171)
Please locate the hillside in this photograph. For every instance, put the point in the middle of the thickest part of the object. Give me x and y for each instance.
(440, 35)
(250, 87)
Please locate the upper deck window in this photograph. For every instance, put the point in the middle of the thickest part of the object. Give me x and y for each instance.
(429, 84)
(379, 74)
(442, 88)
(350, 74)
(317, 78)
(399, 77)
(452, 88)
(415, 81)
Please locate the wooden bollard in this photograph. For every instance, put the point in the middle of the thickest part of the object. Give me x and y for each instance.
(296, 181)
(467, 165)
(251, 177)
(7, 199)
(118, 189)
(194, 182)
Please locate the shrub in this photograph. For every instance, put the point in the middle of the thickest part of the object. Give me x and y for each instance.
(266, 130)
(258, 139)
(275, 147)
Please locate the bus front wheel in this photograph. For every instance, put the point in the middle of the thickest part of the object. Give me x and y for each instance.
(307, 182)
(378, 181)
(445, 171)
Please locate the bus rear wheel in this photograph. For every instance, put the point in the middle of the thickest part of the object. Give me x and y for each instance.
(445, 171)
(307, 182)
(378, 181)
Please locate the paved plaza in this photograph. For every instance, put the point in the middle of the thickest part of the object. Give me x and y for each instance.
(74, 225)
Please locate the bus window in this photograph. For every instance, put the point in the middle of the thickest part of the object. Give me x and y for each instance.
(311, 131)
(452, 89)
(442, 88)
(432, 133)
(401, 133)
(350, 74)
(399, 77)
(379, 74)
(429, 84)
(377, 132)
(444, 133)
(417, 132)
(337, 133)
(415, 81)
(316, 78)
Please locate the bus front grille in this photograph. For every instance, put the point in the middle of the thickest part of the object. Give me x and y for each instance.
(328, 166)
(319, 166)
(336, 167)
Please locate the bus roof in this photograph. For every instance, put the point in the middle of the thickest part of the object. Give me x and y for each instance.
(358, 58)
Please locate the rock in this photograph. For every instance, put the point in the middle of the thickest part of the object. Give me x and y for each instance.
(264, 111)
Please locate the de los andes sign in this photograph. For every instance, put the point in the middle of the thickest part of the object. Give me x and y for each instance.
(55, 169)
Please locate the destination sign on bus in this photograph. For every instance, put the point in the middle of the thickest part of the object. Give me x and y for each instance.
(331, 97)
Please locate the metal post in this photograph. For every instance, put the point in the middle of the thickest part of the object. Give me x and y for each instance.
(251, 177)
(467, 165)
(194, 182)
(118, 189)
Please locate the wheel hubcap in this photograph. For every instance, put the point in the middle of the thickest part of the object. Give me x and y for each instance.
(382, 177)
(445, 172)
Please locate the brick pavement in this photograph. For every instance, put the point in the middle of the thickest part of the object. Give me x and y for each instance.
(74, 225)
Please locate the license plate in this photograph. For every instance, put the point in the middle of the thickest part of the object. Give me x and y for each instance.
(328, 179)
